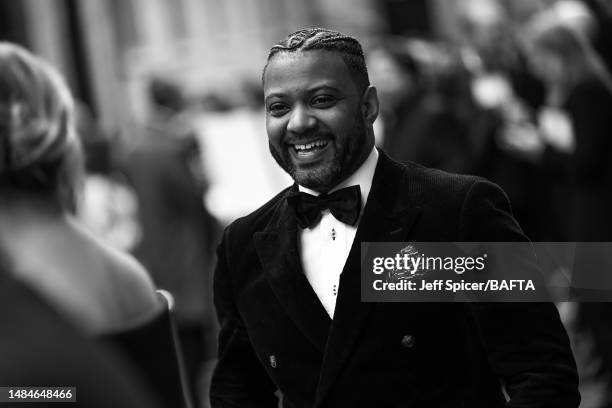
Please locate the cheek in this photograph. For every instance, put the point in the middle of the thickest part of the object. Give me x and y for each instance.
(338, 122)
(275, 129)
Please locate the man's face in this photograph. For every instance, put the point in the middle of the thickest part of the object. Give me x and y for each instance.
(315, 125)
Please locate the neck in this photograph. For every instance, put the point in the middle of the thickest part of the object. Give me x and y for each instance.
(27, 224)
(357, 163)
(25, 209)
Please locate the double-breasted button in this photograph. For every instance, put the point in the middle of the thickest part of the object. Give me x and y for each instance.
(407, 341)
(272, 359)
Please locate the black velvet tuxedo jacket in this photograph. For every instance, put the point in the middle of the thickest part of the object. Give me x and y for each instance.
(275, 334)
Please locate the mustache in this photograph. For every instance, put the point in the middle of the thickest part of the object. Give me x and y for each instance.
(305, 137)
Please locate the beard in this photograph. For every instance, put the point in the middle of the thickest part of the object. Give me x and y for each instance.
(323, 177)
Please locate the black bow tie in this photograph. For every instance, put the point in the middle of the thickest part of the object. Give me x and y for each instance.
(344, 204)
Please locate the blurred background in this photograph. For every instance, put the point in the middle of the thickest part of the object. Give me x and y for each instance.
(170, 112)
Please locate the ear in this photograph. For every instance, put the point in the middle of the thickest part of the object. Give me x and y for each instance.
(370, 105)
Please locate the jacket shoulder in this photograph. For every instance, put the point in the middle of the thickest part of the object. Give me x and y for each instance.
(259, 218)
(434, 183)
(470, 207)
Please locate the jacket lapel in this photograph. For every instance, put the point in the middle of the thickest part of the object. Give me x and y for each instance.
(385, 219)
(277, 249)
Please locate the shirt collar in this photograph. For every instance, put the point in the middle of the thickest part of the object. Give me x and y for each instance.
(362, 177)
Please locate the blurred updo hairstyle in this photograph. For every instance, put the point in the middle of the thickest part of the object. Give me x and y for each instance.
(545, 34)
(40, 152)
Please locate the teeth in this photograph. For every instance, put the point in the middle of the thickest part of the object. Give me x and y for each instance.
(318, 143)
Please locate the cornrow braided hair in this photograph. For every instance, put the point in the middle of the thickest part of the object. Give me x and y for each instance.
(347, 47)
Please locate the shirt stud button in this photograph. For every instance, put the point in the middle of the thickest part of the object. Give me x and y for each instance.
(408, 341)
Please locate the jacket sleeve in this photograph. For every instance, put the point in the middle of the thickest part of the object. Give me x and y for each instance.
(239, 379)
(526, 343)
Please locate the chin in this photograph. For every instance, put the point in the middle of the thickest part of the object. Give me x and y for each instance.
(318, 179)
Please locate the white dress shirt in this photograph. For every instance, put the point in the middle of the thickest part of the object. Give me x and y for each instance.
(325, 247)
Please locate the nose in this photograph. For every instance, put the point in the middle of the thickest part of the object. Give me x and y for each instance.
(301, 120)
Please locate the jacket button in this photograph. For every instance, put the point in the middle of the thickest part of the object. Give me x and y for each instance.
(408, 341)
(272, 359)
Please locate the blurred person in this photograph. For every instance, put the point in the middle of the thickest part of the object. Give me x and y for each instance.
(39, 348)
(178, 234)
(499, 80)
(484, 28)
(399, 86)
(108, 206)
(425, 114)
(98, 288)
(602, 36)
(575, 128)
(239, 123)
(288, 279)
(448, 109)
(575, 123)
(104, 293)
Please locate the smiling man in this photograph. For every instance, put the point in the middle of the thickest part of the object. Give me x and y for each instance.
(315, 120)
(287, 284)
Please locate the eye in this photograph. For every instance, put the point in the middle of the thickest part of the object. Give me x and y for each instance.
(323, 101)
(278, 109)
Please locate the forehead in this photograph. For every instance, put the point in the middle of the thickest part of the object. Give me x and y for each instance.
(302, 70)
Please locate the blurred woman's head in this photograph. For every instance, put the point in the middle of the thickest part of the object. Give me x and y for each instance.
(394, 72)
(39, 149)
(560, 54)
